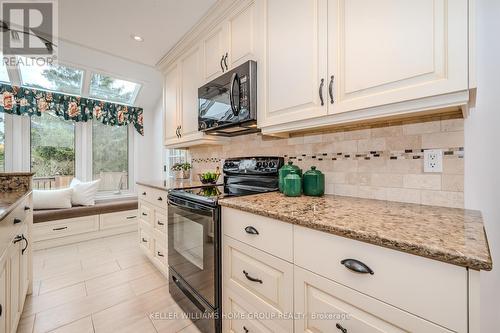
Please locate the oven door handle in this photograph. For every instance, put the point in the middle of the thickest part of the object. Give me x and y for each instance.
(193, 210)
(235, 107)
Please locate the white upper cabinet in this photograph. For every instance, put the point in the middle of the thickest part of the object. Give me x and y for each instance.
(214, 52)
(241, 29)
(292, 76)
(390, 51)
(191, 80)
(231, 42)
(171, 124)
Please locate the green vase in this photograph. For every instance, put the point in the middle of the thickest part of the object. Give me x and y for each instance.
(292, 184)
(284, 171)
(314, 182)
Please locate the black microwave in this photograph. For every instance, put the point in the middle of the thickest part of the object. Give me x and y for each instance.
(227, 106)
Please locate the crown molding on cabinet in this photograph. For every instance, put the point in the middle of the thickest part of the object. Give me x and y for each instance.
(214, 16)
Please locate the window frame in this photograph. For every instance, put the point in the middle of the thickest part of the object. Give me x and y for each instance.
(136, 92)
(75, 147)
(63, 64)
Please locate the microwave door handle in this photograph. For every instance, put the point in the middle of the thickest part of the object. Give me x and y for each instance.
(234, 108)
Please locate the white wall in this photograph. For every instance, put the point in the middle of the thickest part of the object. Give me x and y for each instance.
(148, 148)
(482, 161)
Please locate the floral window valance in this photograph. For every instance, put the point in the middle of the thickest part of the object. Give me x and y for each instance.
(33, 102)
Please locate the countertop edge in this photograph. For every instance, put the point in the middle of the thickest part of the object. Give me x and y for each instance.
(169, 188)
(15, 204)
(456, 259)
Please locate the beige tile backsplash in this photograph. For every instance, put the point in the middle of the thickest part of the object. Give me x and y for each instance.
(382, 162)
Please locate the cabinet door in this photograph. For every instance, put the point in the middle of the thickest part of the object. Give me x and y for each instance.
(214, 50)
(171, 104)
(15, 279)
(24, 278)
(391, 51)
(331, 307)
(242, 32)
(190, 81)
(3, 298)
(295, 61)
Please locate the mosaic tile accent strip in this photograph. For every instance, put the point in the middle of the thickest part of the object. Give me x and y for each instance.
(206, 160)
(456, 152)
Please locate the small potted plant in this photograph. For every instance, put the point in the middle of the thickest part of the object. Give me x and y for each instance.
(182, 170)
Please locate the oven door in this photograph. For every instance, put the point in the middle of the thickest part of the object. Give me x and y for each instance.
(193, 244)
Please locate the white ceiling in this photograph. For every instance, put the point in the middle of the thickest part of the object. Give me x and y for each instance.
(106, 25)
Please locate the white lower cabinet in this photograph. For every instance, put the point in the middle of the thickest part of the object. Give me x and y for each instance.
(15, 266)
(153, 226)
(325, 306)
(313, 292)
(3, 298)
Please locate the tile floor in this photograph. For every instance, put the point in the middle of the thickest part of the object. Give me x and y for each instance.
(101, 286)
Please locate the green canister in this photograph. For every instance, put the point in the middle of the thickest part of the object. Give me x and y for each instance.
(292, 184)
(284, 171)
(314, 182)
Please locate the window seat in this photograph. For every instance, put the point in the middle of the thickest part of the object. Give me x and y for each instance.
(57, 227)
(99, 208)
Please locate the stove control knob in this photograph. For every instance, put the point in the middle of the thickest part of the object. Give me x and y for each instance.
(259, 165)
(272, 164)
(264, 164)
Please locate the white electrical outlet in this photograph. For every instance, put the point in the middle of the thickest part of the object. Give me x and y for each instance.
(433, 160)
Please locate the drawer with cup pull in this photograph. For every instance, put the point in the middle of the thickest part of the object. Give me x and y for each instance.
(261, 279)
(160, 222)
(66, 227)
(388, 275)
(146, 212)
(266, 234)
(118, 219)
(152, 195)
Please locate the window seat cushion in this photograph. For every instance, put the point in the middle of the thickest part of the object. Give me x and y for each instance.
(101, 207)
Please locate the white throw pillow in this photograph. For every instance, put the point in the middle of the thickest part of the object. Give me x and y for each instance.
(52, 199)
(84, 192)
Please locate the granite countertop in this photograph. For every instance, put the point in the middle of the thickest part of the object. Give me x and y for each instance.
(172, 184)
(451, 235)
(9, 200)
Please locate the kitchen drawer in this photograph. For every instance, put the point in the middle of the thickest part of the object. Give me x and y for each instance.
(160, 221)
(10, 224)
(332, 307)
(146, 241)
(240, 318)
(146, 212)
(427, 288)
(153, 196)
(160, 255)
(118, 219)
(261, 279)
(269, 235)
(67, 227)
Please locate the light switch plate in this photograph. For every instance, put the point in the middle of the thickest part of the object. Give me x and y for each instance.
(433, 160)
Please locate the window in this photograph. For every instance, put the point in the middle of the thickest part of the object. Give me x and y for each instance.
(52, 151)
(50, 77)
(110, 156)
(114, 90)
(2, 143)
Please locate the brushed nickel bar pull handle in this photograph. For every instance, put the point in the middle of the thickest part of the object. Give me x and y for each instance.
(321, 91)
(330, 89)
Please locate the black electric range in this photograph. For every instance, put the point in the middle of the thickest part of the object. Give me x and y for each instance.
(194, 236)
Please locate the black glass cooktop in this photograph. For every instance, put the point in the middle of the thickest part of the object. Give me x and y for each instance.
(206, 194)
